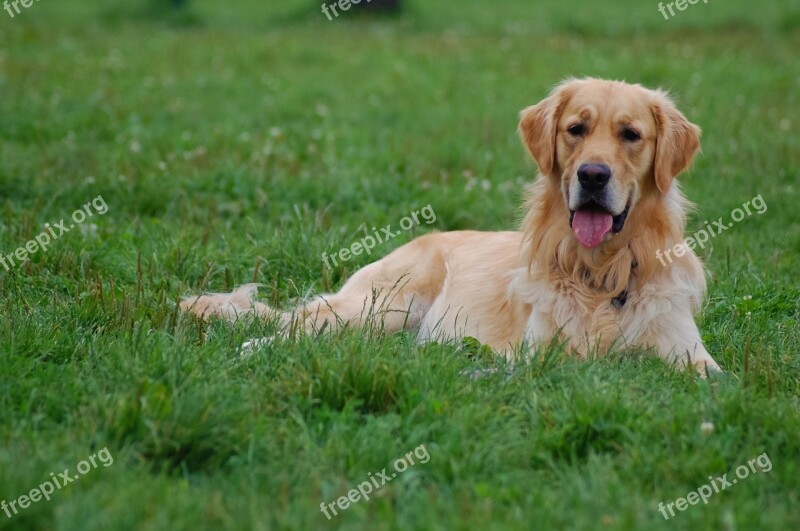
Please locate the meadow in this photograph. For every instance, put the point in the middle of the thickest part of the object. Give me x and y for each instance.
(238, 142)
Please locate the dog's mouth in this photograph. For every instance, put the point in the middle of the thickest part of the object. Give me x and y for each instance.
(592, 222)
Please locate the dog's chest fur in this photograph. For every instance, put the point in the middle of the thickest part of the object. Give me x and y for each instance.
(584, 317)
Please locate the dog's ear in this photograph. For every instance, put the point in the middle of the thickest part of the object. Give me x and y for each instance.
(677, 142)
(538, 126)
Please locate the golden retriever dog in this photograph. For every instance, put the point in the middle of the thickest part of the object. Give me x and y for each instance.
(582, 269)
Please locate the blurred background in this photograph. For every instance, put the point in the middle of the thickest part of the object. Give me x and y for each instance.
(261, 112)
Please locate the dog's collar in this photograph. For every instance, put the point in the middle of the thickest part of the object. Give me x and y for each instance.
(619, 301)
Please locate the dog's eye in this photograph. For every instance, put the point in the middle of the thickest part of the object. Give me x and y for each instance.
(576, 130)
(630, 135)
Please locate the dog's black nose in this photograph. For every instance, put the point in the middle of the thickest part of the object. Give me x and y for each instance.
(593, 176)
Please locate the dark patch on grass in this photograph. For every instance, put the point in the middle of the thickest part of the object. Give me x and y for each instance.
(176, 430)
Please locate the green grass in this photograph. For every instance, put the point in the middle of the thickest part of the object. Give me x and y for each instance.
(238, 142)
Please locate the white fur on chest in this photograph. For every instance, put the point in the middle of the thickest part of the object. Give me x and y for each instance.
(556, 309)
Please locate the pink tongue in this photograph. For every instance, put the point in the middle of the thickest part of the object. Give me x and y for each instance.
(590, 226)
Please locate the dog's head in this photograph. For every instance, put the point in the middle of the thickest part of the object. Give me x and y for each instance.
(607, 144)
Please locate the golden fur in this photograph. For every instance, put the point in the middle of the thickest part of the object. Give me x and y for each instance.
(512, 288)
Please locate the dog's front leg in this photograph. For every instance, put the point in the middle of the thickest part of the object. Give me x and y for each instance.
(677, 339)
(693, 353)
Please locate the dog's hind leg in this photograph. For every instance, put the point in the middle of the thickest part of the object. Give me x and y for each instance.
(392, 294)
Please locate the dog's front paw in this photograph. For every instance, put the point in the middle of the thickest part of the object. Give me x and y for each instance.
(707, 369)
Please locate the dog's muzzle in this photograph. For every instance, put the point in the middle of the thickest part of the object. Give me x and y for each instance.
(594, 218)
